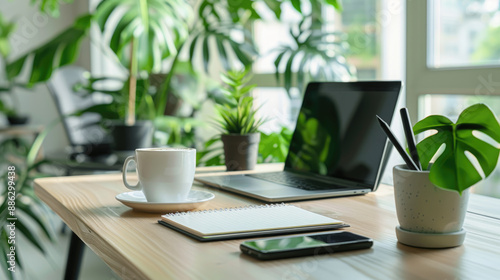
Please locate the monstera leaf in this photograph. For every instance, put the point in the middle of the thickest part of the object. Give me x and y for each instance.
(158, 26)
(453, 169)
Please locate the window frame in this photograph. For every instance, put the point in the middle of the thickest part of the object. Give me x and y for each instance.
(422, 80)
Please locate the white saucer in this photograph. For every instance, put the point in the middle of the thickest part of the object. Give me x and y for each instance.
(137, 201)
(430, 240)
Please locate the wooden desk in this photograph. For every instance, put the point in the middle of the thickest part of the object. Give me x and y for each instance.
(135, 246)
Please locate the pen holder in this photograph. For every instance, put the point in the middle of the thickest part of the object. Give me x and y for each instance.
(429, 217)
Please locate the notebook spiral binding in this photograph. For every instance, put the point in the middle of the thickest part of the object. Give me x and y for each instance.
(249, 207)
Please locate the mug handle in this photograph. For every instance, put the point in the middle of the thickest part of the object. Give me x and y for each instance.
(135, 187)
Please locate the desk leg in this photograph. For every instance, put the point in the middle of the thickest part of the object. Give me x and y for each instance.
(75, 256)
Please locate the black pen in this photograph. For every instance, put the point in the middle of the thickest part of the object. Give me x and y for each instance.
(409, 162)
(410, 137)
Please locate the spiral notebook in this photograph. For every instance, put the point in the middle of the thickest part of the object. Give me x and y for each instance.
(250, 221)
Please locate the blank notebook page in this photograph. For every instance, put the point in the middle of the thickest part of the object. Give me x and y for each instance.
(248, 219)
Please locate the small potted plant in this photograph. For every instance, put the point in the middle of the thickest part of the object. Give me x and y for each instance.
(12, 116)
(238, 122)
(431, 204)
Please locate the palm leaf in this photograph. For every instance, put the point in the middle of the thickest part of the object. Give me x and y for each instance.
(311, 45)
(28, 233)
(26, 208)
(225, 46)
(37, 144)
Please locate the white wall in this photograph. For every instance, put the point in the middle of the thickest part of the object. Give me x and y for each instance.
(34, 29)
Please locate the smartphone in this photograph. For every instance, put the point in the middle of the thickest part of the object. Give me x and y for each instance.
(305, 245)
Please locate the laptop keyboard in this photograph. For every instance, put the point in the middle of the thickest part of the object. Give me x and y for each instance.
(294, 181)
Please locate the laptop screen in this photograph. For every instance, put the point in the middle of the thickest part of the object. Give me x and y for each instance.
(337, 133)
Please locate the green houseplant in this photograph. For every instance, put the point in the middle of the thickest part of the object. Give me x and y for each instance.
(453, 169)
(19, 205)
(238, 122)
(6, 85)
(147, 32)
(150, 33)
(20, 159)
(157, 35)
(218, 19)
(431, 204)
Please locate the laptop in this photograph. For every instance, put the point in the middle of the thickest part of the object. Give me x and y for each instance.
(337, 148)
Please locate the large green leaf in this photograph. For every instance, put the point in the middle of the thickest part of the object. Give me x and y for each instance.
(60, 51)
(158, 25)
(220, 20)
(452, 169)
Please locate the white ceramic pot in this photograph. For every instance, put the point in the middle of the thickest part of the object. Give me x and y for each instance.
(428, 216)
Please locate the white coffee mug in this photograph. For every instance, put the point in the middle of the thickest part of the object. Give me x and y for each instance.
(165, 174)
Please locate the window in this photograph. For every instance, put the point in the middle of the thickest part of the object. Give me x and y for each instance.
(453, 60)
(463, 33)
(368, 27)
(373, 30)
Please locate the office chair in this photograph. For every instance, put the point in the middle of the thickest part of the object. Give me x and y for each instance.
(85, 135)
(90, 144)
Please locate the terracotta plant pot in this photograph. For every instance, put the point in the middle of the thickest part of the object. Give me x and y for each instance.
(428, 216)
(240, 151)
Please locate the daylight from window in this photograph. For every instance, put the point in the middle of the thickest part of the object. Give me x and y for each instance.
(463, 33)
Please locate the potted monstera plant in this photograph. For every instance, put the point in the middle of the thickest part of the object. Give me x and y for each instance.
(238, 122)
(146, 33)
(147, 38)
(431, 204)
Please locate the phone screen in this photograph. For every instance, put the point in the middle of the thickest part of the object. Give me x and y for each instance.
(301, 242)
